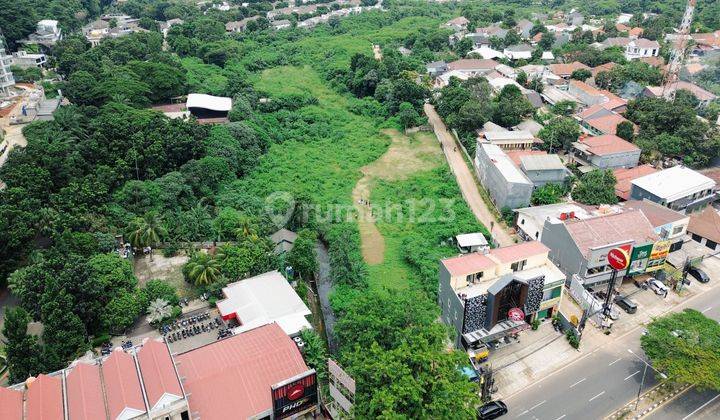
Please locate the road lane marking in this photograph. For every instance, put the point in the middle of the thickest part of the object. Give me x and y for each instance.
(598, 396)
(561, 417)
(537, 405)
(523, 413)
(701, 407)
(706, 309)
(612, 363)
(631, 375)
(577, 382)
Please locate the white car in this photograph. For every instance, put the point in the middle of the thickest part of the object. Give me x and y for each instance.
(658, 287)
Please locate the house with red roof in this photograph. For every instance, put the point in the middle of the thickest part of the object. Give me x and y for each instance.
(259, 373)
(607, 151)
(598, 119)
(625, 176)
(704, 228)
(486, 296)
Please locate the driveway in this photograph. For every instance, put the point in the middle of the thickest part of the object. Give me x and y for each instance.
(465, 178)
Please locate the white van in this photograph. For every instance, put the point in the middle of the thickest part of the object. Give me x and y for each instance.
(658, 287)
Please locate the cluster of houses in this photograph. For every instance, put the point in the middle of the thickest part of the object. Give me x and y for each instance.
(488, 294)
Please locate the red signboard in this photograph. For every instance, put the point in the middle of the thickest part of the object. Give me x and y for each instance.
(618, 258)
(516, 314)
(295, 395)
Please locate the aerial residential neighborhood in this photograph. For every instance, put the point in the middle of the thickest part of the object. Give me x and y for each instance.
(394, 209)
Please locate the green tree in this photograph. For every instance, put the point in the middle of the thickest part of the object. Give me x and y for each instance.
(159, 289)
(522, 78)
(315, 353)
(546, 41)
(564, 108)
(581, 74)
(122, 310)
(22, 351)
(547, 194)
(64, 334)
(511, 107)
(560, 133)
(685, 346)
(407, 115)
(303, 257)
(596, 187)
(146, 231)
(202, 269)
(625, 130)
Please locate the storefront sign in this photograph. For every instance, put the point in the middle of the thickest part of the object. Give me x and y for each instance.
(295, 395)
(516, 314)
(659, 253)
(639, 258)
(618, 258)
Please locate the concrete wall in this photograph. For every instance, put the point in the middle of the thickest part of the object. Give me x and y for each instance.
(553, 176)
(453, 311)
(503, 193)
(618, 160)
(563, 251)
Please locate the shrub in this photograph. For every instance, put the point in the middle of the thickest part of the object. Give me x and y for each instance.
(572, 339)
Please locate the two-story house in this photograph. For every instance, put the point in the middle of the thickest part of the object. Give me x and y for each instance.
(487, 296)
(678, 188)
(641, 48)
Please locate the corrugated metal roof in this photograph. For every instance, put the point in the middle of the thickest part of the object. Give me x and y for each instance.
(11, 404)
(235, 375)
(541, 163)
(122, 386)
(84, 393)
(158, 372)
(44, 399)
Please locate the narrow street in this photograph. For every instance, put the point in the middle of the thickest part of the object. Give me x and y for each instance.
(324, 286)
(465, 178)
(609, 377)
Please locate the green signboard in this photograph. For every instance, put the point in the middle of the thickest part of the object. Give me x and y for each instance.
(639, 258)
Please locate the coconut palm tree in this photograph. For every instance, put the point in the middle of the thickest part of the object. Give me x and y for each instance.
(202, 269)
(158, 310)
(147, 230)
(246, 229)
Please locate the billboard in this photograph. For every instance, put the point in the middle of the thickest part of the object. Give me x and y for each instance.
(660, 251)
(295, 395)
(639, 258)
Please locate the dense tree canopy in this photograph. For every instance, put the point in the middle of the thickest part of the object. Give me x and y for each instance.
(595, 188)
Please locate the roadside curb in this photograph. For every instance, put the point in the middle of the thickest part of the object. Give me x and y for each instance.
(627, 408)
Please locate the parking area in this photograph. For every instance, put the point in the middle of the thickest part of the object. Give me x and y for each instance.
(195, 330)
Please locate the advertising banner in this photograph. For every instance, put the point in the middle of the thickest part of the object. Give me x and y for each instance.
(295, 395)
(639, 258)
(659, 253)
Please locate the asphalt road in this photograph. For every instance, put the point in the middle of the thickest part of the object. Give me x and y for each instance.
(692, 404)
(608, 378)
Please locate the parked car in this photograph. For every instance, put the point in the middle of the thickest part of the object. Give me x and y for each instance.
(658, 287)
(491, 410)
(626, 304)
(699, 275)
(642, 284)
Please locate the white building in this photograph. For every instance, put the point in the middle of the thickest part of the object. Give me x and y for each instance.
(47, 33)
(507, 185)
(262, 300)
(679, 188)
(6, 77)
(530, 220)
(641, 48)
(27, 60)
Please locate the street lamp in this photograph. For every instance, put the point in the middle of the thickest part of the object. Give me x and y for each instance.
(642, 381)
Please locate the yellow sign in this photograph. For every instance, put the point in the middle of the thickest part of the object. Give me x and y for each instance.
(659, 253)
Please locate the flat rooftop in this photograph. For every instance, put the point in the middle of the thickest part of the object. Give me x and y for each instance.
(674, 183)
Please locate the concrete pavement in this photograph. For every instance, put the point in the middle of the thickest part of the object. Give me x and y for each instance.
(465, 178)
(604, 380)
(691, 404)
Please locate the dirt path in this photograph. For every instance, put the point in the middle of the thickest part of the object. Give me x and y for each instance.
(404, 157)
(465, 178)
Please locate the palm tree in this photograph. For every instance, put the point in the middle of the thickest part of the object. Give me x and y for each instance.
(158, 310)
(246, 229)
(203, 269)
(147, 230)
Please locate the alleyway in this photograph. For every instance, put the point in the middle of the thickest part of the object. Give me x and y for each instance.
(465, 178)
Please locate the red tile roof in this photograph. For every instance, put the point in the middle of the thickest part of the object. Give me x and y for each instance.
(567, 69)
(611, 229)
(608, 144)
(157, 370)
(626, 176)
(44, 399)
(591, 110)
(477, 261)
(603, 67)
(516, 155)
(472, 64)
(11, 404)
(235, 375)
(84, 393)
(519, 252)
(468, 264)
(636, 31)
(585, 87)
(122, 385)
(712, 173)
(606, 124)
(706, 224)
